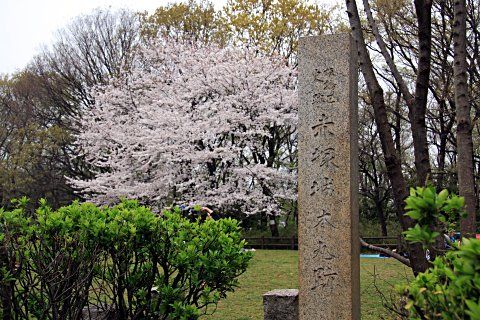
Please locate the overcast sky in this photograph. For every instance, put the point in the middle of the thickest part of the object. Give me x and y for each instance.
(26, 25)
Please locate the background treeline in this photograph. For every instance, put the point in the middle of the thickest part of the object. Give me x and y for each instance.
(409, 114)
(44, 103)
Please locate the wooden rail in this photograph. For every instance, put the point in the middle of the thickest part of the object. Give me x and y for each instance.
(283, 243)
(385, 242)
(291, 243)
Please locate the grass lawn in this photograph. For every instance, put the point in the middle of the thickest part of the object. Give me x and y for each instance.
(277, 269)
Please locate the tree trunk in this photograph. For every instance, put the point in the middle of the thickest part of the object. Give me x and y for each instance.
(442, 150)
(417, 104)
(6, 289)
(394, 168)
(272, 222)
(466, 182)
(381, 217)
(423, 9)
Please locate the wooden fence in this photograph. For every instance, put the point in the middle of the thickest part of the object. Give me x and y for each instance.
(291, 243)
(283, 243)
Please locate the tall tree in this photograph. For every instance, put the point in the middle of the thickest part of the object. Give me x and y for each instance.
(40, 105)
(31, 142)
(416, 115)
(465, 170)
(375, 189)
(92, 49)
(185, 21)
(417, 102)
(212, 124)
(274, 26)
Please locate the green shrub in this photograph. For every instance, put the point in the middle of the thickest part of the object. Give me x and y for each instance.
(48, 261)
(434, 214)
(124, 261)
(450, 289)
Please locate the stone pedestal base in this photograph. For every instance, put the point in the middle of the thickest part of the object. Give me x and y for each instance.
(281, 304)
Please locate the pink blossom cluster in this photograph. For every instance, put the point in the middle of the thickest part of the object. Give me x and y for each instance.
(194, 123)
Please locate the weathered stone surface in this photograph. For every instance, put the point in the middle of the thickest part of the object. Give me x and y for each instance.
(281, 304)
(328, 179)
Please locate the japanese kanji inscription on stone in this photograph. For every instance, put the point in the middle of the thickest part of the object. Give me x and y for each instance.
(328, 179)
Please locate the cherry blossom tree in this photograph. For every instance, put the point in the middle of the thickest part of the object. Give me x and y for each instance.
(194, 123)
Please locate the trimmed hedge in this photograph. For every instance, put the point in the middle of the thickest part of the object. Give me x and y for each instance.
(123, 262)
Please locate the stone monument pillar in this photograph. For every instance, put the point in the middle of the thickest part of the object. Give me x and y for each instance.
(328, 179)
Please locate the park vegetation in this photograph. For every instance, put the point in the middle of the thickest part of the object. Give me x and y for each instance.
(120, 262)
(449, 289)
(158, 84)
(193, 123)
(422, 94)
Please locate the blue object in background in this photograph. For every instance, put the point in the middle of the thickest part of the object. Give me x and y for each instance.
(377, 256)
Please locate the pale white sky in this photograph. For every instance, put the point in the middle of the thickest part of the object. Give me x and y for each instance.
(26, 25)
